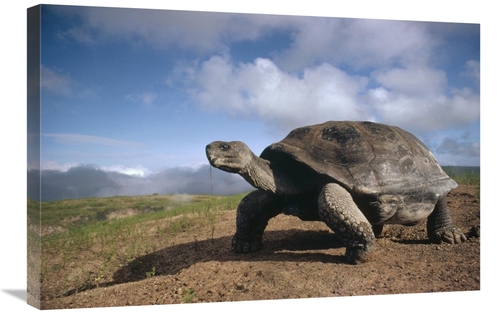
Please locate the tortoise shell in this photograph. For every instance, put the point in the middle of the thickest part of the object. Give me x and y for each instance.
(366, 158)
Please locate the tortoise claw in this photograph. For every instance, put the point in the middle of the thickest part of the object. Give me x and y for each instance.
(449, 235)
(245, 246)
(359, 254)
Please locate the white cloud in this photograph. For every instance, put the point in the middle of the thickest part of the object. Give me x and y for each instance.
(261, 88)
(358, 43)
(472, 70)
(146, 98)
(70, 138)
(413, 81)
(54, 165)
(198, 31)
(418, 112)
(418, 99)
(58, 83)
(452, 146)
(139, 171)
(55, 82)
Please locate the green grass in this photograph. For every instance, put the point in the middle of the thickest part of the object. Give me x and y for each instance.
(84, 223)
(80, 213)
(187, 295)
(464, 175)
(86, 246)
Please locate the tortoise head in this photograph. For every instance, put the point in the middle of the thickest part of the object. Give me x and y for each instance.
(229, 156)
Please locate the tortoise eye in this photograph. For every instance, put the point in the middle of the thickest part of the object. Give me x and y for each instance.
(224, 146)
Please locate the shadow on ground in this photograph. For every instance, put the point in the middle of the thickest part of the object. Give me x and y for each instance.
(278, 246)
(284, 245)
(281, 245)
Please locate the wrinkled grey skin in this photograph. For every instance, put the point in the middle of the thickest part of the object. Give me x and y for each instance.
(353, 176)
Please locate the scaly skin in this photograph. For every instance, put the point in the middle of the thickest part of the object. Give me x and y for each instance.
(338, 210)
(440, 228)
(252, 216)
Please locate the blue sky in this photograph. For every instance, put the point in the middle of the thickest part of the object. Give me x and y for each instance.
(141, 92)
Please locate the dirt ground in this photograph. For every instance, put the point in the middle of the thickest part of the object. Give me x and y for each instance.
(298, 260)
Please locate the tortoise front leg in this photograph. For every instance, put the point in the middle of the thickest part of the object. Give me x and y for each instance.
(252, 216)
(338, 210)
(440, 228)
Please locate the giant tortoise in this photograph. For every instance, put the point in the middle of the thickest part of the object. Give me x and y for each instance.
(353, 176)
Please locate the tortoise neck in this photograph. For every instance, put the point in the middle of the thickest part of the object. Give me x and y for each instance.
(260, 175)
(264, 175)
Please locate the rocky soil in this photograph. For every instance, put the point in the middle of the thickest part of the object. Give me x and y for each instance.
(299, 260)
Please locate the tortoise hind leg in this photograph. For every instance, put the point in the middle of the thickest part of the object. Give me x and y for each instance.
(338, 210)
(252, 216)
(440, 228)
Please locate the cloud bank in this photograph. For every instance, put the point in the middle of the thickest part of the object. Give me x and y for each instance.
(90, 181)
(416, 98)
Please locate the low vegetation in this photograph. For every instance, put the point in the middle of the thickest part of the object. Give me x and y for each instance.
(464, 175)
(83, 242)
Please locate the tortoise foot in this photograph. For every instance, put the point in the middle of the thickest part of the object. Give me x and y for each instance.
(240, 245)
(358, 255)
(448, 235)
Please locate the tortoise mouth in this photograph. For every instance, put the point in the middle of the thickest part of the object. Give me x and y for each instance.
(222, 165)
(227, 169)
